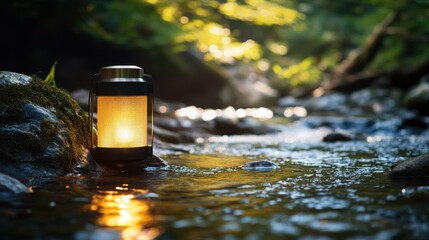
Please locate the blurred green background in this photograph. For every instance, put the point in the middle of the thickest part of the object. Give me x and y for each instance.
(216, 53)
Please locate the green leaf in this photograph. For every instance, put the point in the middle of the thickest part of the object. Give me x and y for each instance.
(50, 79)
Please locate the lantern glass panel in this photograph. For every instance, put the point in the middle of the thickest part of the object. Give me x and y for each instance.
(122, 121)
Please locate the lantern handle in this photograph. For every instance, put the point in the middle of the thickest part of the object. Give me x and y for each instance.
(91, 109)
(151, 105)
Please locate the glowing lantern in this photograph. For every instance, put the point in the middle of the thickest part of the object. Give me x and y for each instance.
(124, 112)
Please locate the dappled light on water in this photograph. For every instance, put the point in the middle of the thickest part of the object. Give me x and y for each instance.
(193, 112)
(295, 111)
(318, 190)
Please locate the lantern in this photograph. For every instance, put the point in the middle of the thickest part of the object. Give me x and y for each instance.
(124, 102)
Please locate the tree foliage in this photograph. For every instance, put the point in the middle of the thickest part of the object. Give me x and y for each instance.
(128, 23)
(295, 42)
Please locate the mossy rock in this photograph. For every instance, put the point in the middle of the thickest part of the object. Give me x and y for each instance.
(43, 131)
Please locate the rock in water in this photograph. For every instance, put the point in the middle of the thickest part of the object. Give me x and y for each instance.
(11, 185)
(155, 162)
(261, 165)
(418, 97)
(43, 132)
(336, 137)
(417, 167)
(224, 126)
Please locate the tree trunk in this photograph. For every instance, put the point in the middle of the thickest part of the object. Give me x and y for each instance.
(402, 78)
(358, 59)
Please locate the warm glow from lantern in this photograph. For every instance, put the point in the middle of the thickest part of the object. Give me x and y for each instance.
(124, 213)
(124, 135)
(122, 121)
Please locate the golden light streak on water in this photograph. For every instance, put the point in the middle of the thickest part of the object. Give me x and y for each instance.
(122, 212)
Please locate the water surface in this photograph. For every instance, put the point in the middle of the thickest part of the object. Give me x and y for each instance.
(320, 191)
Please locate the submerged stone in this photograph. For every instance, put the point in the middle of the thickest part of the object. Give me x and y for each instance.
(260, 165)
(43, 132)
(417, 167)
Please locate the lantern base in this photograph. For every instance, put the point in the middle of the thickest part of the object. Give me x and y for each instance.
(106, 155)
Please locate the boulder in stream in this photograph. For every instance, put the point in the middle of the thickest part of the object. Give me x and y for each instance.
(417, 167)
(225, 126)
(43, 131)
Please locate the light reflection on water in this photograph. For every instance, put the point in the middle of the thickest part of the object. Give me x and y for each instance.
(122, 212)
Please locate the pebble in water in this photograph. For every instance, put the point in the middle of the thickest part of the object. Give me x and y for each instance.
(261, 165)
(336, 137)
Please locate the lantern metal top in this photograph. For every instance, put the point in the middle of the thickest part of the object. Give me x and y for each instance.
(121, 71)
(122, 80)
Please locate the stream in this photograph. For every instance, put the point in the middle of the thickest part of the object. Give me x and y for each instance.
(320, 190)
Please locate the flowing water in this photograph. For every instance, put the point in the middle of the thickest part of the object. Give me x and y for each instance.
(320, 191)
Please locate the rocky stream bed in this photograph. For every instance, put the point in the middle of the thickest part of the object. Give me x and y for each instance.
(325, 175)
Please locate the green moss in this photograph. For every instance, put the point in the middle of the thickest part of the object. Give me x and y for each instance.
(48, 130)
(68, 111)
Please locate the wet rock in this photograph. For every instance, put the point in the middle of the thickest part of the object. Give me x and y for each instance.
(415, 123)
(333, 102)
(174, 124)
(288, 102)
(336, 137)
(246, 87)
(224, 126)
(166, 135)
(134, 167)
(154, 162)
(418, 97)
(163, 148)
(43, 131)
(11, 78)
(260, 165)
(174, 130)
(193, 135)
(417, 167)
(9, 185)
(352, 123)
(376, 100)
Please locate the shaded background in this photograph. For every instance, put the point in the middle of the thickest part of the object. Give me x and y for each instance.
(220, 53)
